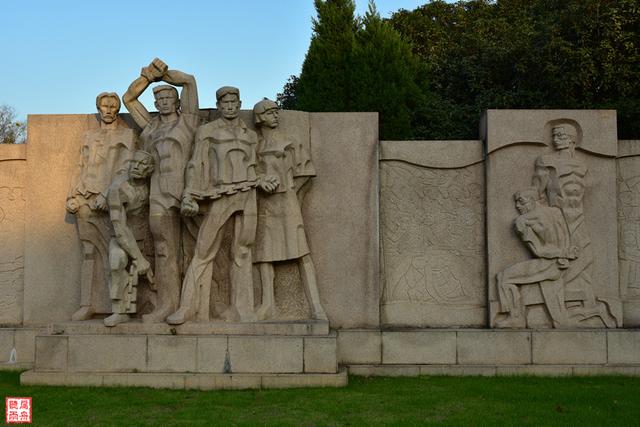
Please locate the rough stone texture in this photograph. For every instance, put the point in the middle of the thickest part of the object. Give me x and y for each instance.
(51, 353)
(172, 354)
(266, 354)
(211, 354)
(623, 347)
(569, 347)
(25, 344)
(7, 337)
(12, 211)
(458, 370)
(432, 231)
(488, 348)
(341, 216)
(320, 354)
(536, 370)
(52, 248)
(90, 353)
(515, 138)
(424, 347)
(185, 381)
(629, 229)
(136, 327)
(359, 347)
(385, 371)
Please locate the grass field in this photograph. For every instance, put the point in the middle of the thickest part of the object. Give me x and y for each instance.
(521, 401)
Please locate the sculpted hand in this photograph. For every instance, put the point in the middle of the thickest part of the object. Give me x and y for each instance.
(72, 205)
(269, 183)
(101, 203)
(142, 266)
(154, 71)
(189, 206)
(573, 252)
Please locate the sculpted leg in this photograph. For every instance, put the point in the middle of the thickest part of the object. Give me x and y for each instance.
(93, 233)
(199, 273)
(310, 286)
(166, 237)
(118, 261)
(267, 309)
(553, 294)
(241, 274)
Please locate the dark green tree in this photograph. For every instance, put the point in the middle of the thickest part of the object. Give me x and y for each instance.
(480, 54)
(324, 83)
(383, 76)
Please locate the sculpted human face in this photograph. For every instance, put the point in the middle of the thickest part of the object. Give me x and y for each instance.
(141, 166)
(270, 118)
(524, 204)
(166, 102)
(108, 108)
(561, 141)
(229, 106)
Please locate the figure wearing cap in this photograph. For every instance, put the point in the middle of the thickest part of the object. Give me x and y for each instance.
(222, 173)
(104, 154)
(128, 199)
(280, 232)
(168, 137)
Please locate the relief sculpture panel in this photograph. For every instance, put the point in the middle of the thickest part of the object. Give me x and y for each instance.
(12, 201)
(629, 229)
(432, 228)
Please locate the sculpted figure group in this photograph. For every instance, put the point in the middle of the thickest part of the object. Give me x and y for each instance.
(179, 186)
(552, 226)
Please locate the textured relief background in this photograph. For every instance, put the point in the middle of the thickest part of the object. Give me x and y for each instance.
(432, 229)
(12, 202)
(629, 229)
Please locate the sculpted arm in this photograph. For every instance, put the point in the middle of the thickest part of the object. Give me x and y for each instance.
(123, 234)
(149, 74)
(189, 96)
(540, 177)
(526, 231)
(195, 181)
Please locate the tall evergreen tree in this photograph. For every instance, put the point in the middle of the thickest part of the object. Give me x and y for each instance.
(324, 80)
(383, 76)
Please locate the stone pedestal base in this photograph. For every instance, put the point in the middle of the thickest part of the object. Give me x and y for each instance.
(185, 380)
(252, 355)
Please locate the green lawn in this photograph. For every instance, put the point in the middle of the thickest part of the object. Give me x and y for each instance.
(384, 401)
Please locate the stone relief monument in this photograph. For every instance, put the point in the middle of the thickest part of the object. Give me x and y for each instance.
(559, 287)
(221, 255)
(169, 138)
(104, 155)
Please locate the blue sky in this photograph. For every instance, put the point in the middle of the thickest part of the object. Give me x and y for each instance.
(58, 55)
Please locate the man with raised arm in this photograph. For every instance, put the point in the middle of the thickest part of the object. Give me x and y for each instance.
(169, 138)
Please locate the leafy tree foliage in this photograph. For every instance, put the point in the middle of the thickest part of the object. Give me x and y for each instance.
(431, 72)
(480, 54)
(324, 83)
(11, 130)
(357, 65)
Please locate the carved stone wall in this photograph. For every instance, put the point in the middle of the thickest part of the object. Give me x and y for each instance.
(629, 229)
(12, 200)
(432, 230)
(339, 210)
(516, 140)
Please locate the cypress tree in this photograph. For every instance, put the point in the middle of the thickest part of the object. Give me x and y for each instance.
(324, 80)
(383, 76)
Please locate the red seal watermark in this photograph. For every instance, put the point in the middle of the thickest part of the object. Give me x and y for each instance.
(18, 410)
